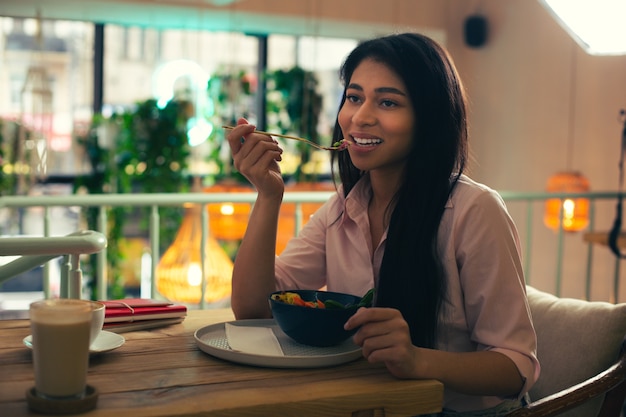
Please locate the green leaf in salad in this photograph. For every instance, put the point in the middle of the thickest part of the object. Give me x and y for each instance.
(333, 305)
(366, 301)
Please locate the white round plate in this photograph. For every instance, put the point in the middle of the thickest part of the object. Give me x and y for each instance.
(105, 342)
(212, 340)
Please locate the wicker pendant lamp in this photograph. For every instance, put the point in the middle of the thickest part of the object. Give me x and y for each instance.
(228, 220)
(570, 214)
(179, 272)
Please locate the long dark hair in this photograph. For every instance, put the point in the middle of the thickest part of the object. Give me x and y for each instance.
(411, 276)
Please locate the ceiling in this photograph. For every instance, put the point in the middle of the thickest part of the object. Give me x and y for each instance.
(349, 19)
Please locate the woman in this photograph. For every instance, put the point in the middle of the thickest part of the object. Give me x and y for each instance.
(440, 249)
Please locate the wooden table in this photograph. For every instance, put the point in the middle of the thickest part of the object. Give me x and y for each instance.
(162, 372)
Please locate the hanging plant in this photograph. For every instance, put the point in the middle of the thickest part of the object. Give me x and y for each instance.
(148, 152)
(152, 156)
(100, 181)
(152, 148)
(231, 96)
(293, 107)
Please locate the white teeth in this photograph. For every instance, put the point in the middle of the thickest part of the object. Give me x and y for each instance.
(363, 141)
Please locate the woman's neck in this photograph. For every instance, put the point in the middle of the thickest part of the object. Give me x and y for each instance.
(384, 188)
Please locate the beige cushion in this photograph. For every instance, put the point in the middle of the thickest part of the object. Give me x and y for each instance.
(576, 339)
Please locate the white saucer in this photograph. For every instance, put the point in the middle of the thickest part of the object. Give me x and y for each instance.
(105, 342)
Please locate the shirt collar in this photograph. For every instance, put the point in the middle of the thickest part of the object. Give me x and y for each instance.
(356, 202)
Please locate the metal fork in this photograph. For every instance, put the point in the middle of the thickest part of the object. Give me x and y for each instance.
(337, 146)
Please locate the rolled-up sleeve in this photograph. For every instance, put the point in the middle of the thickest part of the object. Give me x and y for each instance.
(487, 307)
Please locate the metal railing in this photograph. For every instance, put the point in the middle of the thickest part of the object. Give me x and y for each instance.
(523, 207)
(34, 251)
(153, 202)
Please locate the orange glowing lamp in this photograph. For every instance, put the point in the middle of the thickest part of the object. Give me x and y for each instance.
(571, 214)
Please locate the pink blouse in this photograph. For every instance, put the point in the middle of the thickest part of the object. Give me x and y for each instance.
(486, 307)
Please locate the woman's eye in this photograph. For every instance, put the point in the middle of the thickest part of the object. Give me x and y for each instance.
(387, 103)
(352, 98)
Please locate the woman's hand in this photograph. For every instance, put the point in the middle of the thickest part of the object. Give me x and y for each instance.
(256, 157)
(384, 337)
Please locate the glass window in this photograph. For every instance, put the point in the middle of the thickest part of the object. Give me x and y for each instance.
(150, 63)
(323, 57)
(46, 78)
(145, 63)
(205, 69)
(303, 98)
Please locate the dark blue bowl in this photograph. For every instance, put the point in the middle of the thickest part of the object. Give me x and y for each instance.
(314, 326)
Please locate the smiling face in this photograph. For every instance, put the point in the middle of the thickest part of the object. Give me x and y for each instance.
(377, 118)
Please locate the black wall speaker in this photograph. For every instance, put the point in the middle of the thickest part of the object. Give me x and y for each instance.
(475, 31)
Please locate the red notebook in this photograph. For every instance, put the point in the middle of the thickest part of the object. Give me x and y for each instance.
(136, 309)
(131, 326)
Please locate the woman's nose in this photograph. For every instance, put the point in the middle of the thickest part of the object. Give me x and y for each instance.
(364, 115)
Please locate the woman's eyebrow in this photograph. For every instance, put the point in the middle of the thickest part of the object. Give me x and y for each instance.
(392, 90)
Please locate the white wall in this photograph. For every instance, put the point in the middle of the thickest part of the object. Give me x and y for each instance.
(519, 86)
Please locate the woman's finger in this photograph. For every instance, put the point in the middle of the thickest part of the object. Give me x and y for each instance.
(236, 137)
(257, 155)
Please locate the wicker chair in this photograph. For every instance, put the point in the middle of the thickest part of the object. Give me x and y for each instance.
(582, 350)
